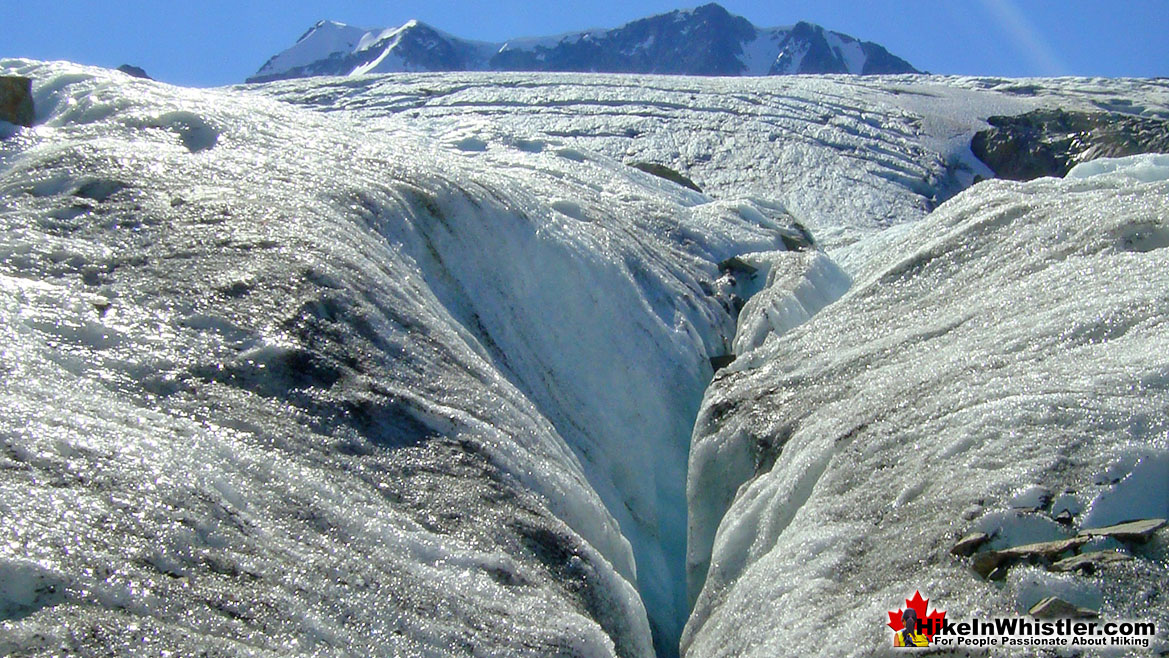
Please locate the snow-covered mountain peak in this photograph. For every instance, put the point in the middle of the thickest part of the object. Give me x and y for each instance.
(706, 40)
(325, 24)
(322, 41)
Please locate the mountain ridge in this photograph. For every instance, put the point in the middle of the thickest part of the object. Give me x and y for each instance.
(707, 40)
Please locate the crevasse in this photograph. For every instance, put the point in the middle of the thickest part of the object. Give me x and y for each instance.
(475, 362)
(411, 364)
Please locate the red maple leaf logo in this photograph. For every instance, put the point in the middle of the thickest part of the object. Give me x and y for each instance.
(932, 621)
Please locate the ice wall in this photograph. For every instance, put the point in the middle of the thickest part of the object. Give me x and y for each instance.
(596, 310)
(1013, 347)
(238, 418)
(474, 356)
(243, 404)
(414, 373)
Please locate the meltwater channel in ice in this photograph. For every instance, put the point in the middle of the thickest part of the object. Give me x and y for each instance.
(410, 364)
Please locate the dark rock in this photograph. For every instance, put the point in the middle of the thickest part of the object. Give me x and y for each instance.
(736, 264)
(707, 40)
(805, 233)
(1043, 552)
(1049, 554)
(16, 100)
(1089, 562)
(421, 46)
(1050, 142)
(794, 241)
(704, 41)
(720, 362)
(134, 71)
(817, 55)
(1064, 517)
(999, 573)
(1056, 608)
(1131, 531)
(662, 171)
(968, 544)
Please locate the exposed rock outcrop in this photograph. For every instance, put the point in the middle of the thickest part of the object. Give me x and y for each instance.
(1131, 531)
(1046, 552)
(970, 543)
(1089, 563)
(1050, 142)
(662, 171)
(16, 100)
(1056, 608)
(134, 71)
(706, 40)
(1061, 554)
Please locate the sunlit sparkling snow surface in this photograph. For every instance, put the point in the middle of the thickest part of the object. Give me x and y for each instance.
(1017, 342)
(410, 365)
(849, 155)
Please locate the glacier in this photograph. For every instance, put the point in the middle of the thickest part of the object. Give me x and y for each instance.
(1012, 344)
(418, 365)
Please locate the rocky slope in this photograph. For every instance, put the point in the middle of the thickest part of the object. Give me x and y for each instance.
(1051, 142)
(703, 41)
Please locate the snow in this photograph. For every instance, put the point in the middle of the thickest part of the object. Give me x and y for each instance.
(850, 51)
(375, 37)
(798, 284)
(324, 39)
(760, 53)
(411, 364)
(1010, 349)
(1145, 168)
(387, 61)
(328, 40)
(794, 54)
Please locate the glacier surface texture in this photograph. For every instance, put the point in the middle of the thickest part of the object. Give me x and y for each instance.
(418, 364)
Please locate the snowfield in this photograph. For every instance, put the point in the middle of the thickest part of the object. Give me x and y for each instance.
(411, 364)
(1014, 345)
(849, 155)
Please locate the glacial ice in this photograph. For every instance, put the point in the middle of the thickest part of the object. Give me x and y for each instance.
(849, 156)
(1014, 343)
(1145, 168)
(471, 338)
(797, 285)
(410, 364)
(241, 374)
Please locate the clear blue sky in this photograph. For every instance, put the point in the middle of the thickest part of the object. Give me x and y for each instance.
(215, 42)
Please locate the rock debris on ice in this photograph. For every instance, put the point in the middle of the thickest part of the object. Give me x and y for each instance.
(411, 364)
